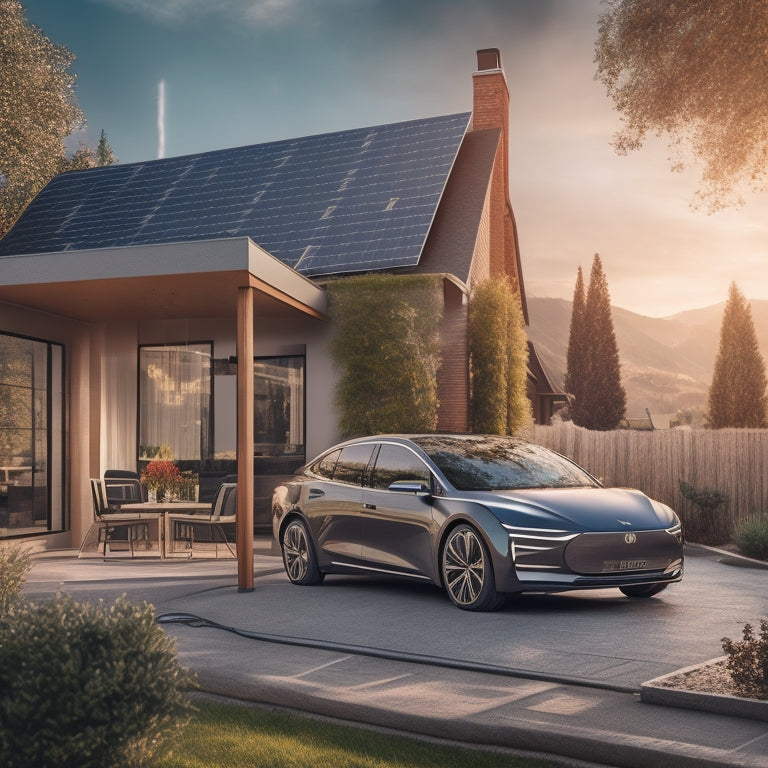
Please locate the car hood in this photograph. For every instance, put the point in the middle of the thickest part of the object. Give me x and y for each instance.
(589, 509)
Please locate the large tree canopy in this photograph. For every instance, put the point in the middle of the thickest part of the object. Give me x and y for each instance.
(697, 72)
(38, 110)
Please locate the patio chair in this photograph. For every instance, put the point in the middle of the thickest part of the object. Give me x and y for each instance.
(114, 527)
(122, 488)
(185, 527)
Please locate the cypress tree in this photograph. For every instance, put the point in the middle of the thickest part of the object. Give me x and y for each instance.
(600, 402)
(737, 397)
(575, 356)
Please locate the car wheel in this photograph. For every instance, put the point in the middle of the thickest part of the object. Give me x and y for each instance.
(467, 571)
(642, 590)
(299, 556)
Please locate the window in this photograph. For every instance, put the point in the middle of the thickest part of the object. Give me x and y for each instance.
(396, 462)
(31, 436)
(352, 463)
(278, 392)
(324, 467)
(175, 400)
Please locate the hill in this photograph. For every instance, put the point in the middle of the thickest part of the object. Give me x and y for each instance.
(666, 363)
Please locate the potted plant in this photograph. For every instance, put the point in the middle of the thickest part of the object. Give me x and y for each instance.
(161, 479)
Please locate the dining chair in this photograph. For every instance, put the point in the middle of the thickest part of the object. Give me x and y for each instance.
(122, 490)
(184, 527)
(113, 527)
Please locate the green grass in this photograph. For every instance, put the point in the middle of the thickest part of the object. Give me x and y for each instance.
(234, 736)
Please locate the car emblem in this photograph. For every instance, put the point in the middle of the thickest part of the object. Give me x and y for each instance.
(630, 538)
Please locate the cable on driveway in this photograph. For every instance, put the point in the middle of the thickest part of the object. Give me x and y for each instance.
(190, 620)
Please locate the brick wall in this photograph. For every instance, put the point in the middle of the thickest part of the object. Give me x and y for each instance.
(453, 374)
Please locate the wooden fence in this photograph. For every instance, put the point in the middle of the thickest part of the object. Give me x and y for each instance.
(732, 461)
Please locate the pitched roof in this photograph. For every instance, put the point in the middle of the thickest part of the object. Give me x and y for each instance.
(351, 201)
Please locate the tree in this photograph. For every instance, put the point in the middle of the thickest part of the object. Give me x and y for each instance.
(83, 157)
(38, 110)
(498, 348)
(104, 153)
(599, 400)
(737, 397)
(697, 72)
(574, 375)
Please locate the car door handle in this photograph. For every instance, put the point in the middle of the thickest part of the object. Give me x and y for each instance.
(368, 506)
(315, 493)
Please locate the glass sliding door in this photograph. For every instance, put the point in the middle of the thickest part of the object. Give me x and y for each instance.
(278, 384)
(31, 436)
(175, 401)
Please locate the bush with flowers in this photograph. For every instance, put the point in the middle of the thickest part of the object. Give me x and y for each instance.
(161, 477)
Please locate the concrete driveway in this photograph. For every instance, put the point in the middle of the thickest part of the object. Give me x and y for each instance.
(557, 674)
(590, 636)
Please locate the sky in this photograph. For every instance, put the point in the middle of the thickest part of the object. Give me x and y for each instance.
(238, 72)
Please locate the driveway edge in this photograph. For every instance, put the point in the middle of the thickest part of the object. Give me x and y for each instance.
(655, 692)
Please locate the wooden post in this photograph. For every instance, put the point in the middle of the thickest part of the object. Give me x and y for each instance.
(245, 439)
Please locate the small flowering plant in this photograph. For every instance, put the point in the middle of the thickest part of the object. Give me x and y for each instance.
(162, 477)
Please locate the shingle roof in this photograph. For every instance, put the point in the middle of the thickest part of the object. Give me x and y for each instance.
(351, 201)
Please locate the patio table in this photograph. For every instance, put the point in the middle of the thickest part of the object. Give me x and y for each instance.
(160, 509)
(154, 513)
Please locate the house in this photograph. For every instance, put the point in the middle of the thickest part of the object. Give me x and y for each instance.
(129, 293)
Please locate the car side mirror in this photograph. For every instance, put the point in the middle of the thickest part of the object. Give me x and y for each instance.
(411, 486)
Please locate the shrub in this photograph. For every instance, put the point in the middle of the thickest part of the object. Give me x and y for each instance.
(15, 564)
(748, 661)
(387, 346)
(705, 524)
(498, 348)
(751, 536)
(86, 685)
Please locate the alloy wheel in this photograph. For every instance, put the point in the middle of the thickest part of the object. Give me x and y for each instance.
(296, 552)
(464, 567)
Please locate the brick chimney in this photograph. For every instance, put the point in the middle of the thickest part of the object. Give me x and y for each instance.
(491, 98)
(490, 109)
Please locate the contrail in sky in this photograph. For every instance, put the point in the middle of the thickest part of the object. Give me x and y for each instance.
(161, 119)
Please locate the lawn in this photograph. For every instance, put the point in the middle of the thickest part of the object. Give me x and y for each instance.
(239, 736)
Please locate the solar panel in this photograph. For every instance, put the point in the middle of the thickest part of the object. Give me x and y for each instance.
(350, 201)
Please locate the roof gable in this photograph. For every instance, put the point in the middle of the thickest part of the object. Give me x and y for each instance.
(350, 201)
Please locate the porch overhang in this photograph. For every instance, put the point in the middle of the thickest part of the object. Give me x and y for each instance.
(173, 280)
(209, 278)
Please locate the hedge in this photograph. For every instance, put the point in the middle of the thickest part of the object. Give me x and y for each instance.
(387, 347)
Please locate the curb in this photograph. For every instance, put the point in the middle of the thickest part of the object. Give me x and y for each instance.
(729, 558)
(655, 692)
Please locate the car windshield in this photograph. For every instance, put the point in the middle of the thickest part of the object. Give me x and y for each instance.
(498, 463)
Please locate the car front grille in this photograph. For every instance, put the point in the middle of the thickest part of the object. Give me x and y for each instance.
(624, 552)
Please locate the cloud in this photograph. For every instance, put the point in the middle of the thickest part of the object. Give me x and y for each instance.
(179, 12)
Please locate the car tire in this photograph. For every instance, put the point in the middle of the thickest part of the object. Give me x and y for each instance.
(467, 572)
(643, 590)
(299, 558)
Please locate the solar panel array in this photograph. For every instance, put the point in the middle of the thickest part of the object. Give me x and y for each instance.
(351, 201)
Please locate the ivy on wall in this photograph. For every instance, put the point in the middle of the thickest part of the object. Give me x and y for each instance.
(387, 347)
(498, 349)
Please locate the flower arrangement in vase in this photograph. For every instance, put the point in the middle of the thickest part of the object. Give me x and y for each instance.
(161, 478)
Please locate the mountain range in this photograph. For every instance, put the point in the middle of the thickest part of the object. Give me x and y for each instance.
(666, 362)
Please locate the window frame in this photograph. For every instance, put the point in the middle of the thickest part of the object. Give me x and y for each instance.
(56, 455)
